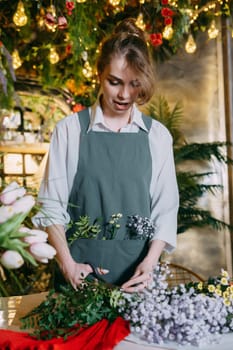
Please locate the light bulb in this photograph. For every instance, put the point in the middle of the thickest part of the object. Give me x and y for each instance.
(87, 70)
(213, 31)
(190, 45)
(53, 56)
(114, 2)
(16, 60)
(80, 1)
(139, 22)
(168, 32)
(20, 18)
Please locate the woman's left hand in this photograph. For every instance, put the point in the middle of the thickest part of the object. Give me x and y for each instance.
(141, 279)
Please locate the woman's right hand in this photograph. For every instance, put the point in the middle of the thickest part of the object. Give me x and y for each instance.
(75, 272)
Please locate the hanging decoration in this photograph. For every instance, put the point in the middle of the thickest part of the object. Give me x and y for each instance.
(53, 56)
(140, 23)
(16, 60)
(190, 45)
(168, 32)
(20, 17)
(69, 28)
(213, 31)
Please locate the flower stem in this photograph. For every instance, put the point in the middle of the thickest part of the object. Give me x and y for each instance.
(13, 276)
(3, 290)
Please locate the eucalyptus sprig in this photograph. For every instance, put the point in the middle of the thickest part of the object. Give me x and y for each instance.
(64, 313)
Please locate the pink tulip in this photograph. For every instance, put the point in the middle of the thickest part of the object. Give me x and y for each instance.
(24, 229)
(11, 193)
(24, 204)
(6, 212)
(42, 252)
(35, 236)
(11, 259)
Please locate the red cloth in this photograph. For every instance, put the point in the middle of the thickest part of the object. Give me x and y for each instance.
(100, 336)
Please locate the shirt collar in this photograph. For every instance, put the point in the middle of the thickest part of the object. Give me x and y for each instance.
(97, 117)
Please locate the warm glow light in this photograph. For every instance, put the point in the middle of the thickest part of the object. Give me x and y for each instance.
(213, 31)
(190, 45)
(20, 18)
(139, 22)
(53, 56)
(168, 32)
(80, 1)
(87, 70)
(16, 60)
(114, 2)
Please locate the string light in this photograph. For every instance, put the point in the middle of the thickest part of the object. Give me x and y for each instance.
(20, 18)
(114, 2)
(168, 32)
(16, 60)
(87, 70)
(80, 1)
(53, 55)
(213, 31)
(139, 22)
(190, 45)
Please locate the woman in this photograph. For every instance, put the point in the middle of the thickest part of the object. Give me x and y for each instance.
(110, 159)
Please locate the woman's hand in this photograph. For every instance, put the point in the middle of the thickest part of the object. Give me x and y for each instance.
(143, 274)
(75, 272)
(141, 278)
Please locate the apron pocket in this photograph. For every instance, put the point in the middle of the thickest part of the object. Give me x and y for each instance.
(120, 257)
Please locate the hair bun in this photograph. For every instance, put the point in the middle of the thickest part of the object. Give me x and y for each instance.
(129, 27)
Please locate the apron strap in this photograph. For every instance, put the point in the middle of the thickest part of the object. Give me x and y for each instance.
(84, 119)
(147, 120)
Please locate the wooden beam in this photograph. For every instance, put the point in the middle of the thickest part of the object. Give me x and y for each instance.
(227, 49)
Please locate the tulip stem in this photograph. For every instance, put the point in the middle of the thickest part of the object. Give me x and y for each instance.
(3, 290)
(21, 289)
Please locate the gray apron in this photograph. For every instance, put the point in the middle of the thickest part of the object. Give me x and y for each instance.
(113, 176)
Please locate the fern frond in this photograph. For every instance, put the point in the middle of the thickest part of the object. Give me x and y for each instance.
(189, 217)
(202, 152)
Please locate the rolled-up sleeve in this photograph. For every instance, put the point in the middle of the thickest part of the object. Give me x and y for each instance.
(59, 174)
(163, 189)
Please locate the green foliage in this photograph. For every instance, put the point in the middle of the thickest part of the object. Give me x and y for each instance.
(83, 229)
(87, 24)
(191, 190)
(89, 304)
(26, 280)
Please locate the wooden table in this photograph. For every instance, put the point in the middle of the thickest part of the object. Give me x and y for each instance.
(13, 308)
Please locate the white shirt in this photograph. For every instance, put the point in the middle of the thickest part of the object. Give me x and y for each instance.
(62, 166)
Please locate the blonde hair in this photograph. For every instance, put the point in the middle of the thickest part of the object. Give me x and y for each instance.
(129, 40)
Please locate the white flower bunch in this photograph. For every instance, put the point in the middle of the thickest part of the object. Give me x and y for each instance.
(140, 227)
(17, 242)
(161, 314)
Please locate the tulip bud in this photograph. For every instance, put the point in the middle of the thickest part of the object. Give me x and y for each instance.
(23, 205)
(35, 236)
(11, 193)
(11, 259)
(42, 251)
(5, 213)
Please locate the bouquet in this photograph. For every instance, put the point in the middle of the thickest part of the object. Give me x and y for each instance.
(194, 313)
(19, 244)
